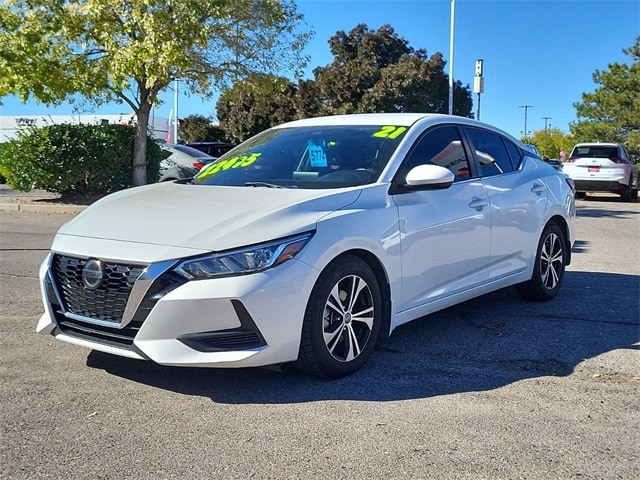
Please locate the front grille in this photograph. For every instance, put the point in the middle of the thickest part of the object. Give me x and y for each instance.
(108, 301)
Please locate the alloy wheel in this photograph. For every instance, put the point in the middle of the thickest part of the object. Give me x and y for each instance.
(551, 261)
(348, 318)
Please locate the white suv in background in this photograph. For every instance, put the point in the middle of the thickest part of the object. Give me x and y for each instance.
(603, 167)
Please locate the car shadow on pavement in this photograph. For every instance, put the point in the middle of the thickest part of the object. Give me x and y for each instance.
(599, 212)
(479, 345)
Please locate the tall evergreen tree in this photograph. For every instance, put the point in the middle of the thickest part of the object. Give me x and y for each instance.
(612, 112)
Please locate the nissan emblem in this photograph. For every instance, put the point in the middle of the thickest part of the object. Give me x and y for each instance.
(93, 274)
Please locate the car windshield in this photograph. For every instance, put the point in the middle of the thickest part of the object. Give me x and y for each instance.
(595, 152)
(307, 157)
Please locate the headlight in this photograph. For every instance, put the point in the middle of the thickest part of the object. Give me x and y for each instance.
(242, 261)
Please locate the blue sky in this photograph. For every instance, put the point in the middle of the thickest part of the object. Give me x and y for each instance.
(536, 52)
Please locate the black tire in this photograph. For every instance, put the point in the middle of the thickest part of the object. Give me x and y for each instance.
(548, 270)
(627, 193)
(342, 320)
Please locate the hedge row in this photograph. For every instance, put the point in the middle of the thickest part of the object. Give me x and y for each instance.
(75, 159)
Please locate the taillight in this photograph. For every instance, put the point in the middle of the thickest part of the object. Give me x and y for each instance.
(198, 165)
(571, 184)
(618, 160)
(572, 159)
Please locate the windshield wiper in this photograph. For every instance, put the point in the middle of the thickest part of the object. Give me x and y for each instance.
(262, 184)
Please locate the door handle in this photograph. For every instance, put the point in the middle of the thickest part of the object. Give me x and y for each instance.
(538, 188)
(478, 203)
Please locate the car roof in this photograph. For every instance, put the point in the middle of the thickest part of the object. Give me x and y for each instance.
(402, 119)
(597, 144)
(397, 119)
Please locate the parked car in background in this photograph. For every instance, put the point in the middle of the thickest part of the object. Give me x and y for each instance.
(215, 149)
(532, 148)
(603, 167)
(557, 164)
(181, 162)
(309, 243)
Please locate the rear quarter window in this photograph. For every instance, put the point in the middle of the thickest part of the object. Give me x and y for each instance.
(515, 154)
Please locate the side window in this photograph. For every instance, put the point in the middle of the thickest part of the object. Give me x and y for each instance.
(443, 147)
(490, 152)
(514, 153)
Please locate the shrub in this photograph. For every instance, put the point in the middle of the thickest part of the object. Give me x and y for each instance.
(75, 159)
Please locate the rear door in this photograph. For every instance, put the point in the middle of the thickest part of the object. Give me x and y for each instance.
(445, 234)
(517, 196)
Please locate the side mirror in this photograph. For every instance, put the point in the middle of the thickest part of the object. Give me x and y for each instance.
(429, 177)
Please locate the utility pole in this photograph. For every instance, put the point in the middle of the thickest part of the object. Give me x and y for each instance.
(546, 136)
(526, 108)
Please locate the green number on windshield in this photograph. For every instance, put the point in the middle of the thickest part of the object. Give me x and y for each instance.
(389, 131)
(233, 162)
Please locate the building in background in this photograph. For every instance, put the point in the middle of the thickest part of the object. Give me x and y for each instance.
(10, 125)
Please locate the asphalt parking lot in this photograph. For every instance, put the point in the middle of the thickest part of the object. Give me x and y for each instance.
(495, 388)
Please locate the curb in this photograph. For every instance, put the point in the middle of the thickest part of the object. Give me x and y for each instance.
(27, 207)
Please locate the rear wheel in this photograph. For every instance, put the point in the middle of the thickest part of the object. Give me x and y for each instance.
(627, 193)
(634, 189)
(342, 319)
(548, 270)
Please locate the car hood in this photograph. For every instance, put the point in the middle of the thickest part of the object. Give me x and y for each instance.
(192, 219)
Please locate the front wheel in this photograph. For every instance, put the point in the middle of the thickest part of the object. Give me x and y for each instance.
(548, 270)
(342, 319)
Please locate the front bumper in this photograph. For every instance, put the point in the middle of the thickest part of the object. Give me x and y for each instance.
(238, 321)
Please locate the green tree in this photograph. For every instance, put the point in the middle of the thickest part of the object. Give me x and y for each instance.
(375, 71)
(255, 104)
(198, 128)
(129, 51)
(551, 142)
(612, 112)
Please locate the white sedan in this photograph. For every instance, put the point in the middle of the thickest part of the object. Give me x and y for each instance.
(310, 242)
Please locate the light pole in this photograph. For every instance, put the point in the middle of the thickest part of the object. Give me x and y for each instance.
(526, 108)
(453, 22)
(175, 110)
(478, 82)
